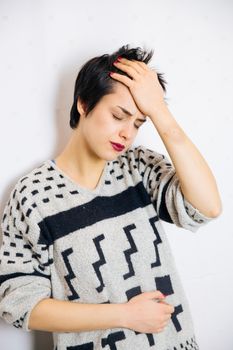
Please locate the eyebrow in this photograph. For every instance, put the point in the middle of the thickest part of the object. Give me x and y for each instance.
(130, 114)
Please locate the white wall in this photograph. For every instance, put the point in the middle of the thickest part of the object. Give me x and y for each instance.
(43, 44)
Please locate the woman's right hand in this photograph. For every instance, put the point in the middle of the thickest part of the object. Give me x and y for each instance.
(145, 315)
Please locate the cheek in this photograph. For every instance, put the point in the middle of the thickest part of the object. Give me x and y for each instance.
(106, 126)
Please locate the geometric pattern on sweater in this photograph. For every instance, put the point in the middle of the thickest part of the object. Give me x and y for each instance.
(106, 245)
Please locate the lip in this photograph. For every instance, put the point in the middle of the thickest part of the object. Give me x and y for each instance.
(117, 146)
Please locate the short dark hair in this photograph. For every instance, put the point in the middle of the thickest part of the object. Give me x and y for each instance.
(93, 80)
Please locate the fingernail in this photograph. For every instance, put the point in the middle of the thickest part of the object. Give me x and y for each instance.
(119, 58)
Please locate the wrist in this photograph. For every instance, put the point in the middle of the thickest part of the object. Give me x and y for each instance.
(159, 109)
(124, 315)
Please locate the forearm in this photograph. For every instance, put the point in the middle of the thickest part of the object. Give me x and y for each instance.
(196, 179)
(54, 315)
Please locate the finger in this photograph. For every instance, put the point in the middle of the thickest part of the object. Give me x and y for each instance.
(159, 330)
(122, 78)
(163, 302)
(168, 317)
(164, 324)
(141, 64)
(133, 63)
(131, 71)
(168, 310)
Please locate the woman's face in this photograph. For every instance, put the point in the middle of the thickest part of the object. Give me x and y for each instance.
(101, 127)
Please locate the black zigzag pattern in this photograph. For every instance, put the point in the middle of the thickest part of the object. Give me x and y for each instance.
(100, 262)
(129, 251)
(156, 242)
(71, 275)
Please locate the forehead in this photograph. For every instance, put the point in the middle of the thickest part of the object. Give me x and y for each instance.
(122, 101)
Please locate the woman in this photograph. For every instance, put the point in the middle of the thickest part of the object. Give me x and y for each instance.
(84, 253)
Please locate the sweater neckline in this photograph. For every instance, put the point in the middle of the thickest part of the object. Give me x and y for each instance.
(98, 189)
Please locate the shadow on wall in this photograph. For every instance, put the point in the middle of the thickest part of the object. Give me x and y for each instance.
(42, 340)
(15, 338)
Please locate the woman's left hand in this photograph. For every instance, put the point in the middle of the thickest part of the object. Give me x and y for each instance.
(144, 86)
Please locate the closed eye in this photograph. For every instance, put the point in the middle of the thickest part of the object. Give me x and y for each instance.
(116, 117)
(137, 127)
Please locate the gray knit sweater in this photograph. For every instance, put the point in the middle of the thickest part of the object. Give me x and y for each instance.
(106, 245)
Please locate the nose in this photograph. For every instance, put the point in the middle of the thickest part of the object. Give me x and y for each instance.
(127, 131)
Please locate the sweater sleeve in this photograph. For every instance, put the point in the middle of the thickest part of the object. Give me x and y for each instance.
(162, 183)
(24, 264)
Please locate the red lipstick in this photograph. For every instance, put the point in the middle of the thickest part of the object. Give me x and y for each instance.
(117, 146)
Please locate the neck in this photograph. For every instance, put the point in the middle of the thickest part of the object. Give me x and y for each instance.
(79, 161)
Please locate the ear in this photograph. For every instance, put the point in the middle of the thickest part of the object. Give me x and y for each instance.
(80, 106)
